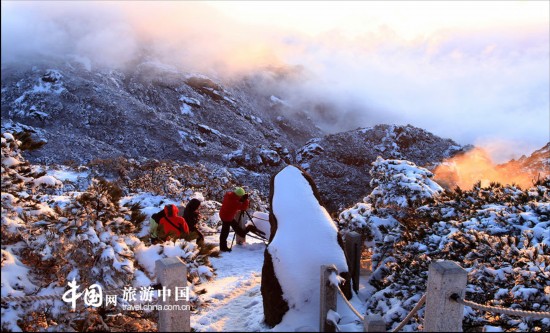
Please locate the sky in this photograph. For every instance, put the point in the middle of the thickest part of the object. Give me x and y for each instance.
(475, 72)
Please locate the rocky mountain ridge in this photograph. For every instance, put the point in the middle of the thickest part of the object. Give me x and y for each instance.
(538, 163)
(157, 112)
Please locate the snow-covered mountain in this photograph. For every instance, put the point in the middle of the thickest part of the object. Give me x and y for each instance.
(537, 164)
(164, 136)
(340, 162)
(158, 112)
(152, 111)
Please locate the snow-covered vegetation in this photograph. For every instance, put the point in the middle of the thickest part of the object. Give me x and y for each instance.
(88, 229)
(90, 222)
(499, 234)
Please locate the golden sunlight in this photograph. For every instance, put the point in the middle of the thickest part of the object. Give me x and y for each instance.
(476, 165)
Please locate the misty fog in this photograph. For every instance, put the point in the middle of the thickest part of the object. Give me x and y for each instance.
(488, 87)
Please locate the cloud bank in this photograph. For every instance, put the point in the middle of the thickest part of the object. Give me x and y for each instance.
(486, 86)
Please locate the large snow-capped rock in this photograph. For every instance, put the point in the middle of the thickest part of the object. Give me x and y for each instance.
(303, 238)
(151, 110)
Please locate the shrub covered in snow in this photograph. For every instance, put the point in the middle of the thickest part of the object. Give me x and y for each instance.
(401, 184)
(499, 234)
(49, 239)
(400, 188)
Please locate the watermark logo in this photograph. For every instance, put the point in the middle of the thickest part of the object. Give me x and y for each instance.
(70, 296)
(93, 296)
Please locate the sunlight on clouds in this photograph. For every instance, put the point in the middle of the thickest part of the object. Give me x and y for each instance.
(477, 165)
(462, 70)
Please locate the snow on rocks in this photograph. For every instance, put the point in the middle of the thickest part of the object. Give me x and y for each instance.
(47, 181)
(15, 276)
(309, 150)
(10, 161)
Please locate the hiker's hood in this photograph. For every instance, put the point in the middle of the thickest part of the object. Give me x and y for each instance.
(171, 210)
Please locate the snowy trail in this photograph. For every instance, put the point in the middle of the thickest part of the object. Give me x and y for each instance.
(235, 301)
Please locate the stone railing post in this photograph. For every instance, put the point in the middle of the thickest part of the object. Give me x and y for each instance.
(172, 275)
(374, 323)
(443, 314)
(352, 246)
(328, 298)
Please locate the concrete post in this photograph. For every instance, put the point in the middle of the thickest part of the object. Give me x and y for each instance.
(374, 323)
(172, 273)
(443, 314)
(328, 298)
(352, 245)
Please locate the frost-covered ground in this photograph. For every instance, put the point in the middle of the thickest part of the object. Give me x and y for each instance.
(233, 298)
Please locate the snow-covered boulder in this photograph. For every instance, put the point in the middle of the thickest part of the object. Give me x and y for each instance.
(303, 238)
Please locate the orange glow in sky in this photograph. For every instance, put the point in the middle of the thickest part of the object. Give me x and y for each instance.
(476, 165)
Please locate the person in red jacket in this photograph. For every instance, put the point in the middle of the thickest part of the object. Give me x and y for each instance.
(172, 226)
(233, 202)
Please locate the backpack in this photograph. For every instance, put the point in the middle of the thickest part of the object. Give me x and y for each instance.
(154, 222)
(162, 234)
